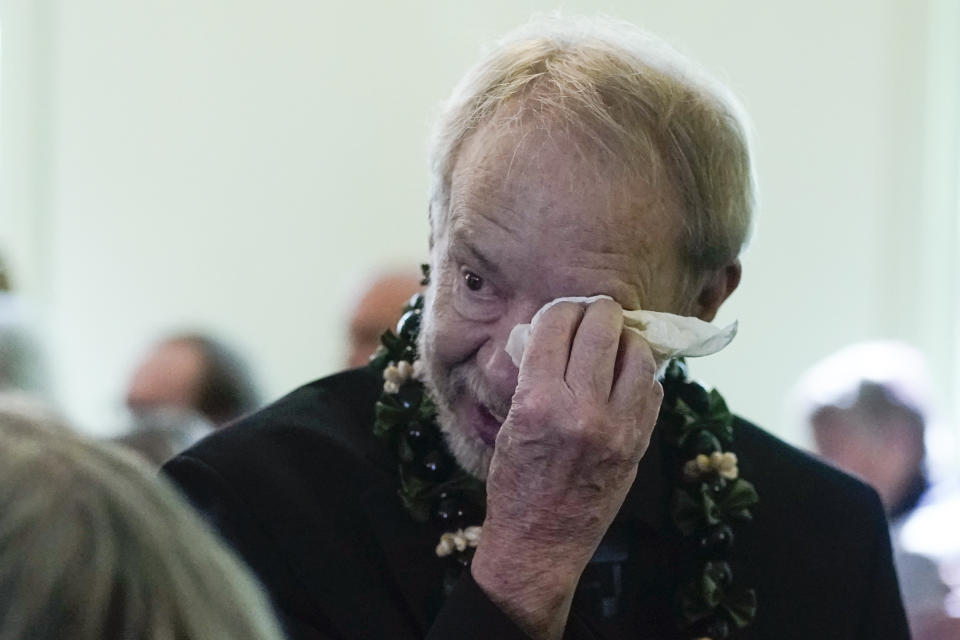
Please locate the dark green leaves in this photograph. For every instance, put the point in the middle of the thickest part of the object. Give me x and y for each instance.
(695, 422)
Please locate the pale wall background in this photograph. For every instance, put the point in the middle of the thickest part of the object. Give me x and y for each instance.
(237, 165)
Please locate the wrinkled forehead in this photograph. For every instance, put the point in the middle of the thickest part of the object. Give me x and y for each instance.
(541, 207)
(547, 175)
(521, 139)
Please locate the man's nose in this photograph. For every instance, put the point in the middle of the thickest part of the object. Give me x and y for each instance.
(499, 370)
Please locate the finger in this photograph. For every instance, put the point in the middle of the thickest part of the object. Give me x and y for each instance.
(593, 355)
(636, 371)
(548, 349)
(649, 411)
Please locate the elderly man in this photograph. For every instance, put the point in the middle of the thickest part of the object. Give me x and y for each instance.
(453, 490)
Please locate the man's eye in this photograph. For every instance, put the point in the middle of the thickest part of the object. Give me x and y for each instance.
(473, 281)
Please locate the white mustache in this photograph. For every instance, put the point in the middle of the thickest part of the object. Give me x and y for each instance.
(471, 382)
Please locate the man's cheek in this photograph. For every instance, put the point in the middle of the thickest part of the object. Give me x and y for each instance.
(453, 338)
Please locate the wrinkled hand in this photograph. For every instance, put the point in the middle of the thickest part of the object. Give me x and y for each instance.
(583, 412)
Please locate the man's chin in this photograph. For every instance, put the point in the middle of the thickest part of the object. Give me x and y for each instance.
(468, 448)
(455, 415)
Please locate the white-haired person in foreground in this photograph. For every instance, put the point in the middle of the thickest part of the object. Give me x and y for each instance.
(527, 458)
(94, 547)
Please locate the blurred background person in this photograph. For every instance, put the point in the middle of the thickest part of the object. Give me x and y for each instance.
(868, 406)
(932, 529)
(378, 309)
(159, 434)
(186, 386)
(94, 546)
(21, 360)
(193, 372)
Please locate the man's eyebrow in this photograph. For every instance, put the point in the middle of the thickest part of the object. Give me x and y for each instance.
(463, 245)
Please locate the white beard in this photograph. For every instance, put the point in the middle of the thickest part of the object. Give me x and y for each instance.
(471, 453)
(446, 387)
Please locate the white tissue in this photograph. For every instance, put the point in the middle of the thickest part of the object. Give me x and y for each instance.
(669, 335)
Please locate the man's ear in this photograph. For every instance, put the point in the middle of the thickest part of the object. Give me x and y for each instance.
(717, 288)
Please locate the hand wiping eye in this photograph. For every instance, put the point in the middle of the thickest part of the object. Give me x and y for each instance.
(669, 335)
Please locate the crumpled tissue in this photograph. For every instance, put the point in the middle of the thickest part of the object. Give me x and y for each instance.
(669, 335)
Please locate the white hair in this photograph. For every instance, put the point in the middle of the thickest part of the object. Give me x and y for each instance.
(93, 546)
(635, 100)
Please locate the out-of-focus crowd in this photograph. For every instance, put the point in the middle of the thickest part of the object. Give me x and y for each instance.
(94, 544)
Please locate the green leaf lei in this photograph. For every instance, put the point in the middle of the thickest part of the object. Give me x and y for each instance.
(708, 497)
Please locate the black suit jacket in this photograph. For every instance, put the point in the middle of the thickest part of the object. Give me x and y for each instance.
(307, 496)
